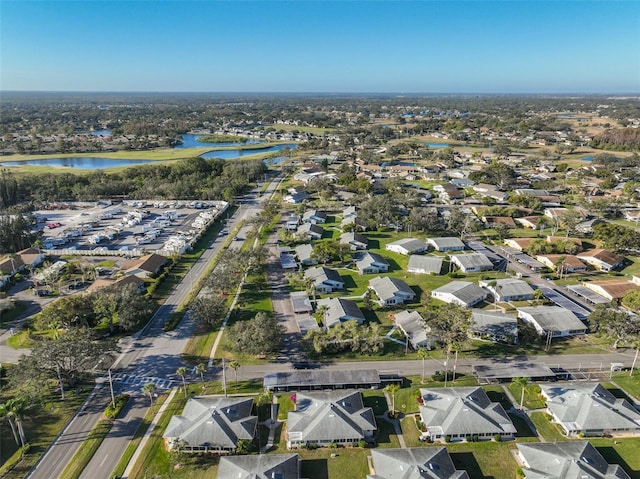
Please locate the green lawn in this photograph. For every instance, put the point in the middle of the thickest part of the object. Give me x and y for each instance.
(630, 384)
(625, 451)
(410, 431)
(549, 431)
(483, 460)
(532, 396)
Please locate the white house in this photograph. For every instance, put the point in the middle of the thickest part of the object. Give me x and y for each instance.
(325, 280)
(446, 243)
(472, 262)
(407, 246)
(463, 293)
(368, 263)
(391, 291)
(424, 264)
(552, 320)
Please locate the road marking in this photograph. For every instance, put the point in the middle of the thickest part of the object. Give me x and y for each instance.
(105, 458)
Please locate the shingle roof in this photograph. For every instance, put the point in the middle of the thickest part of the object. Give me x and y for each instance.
(352, 237)
(321, 378)
(463, 411)
(493, 323)
(410, 244)
(386, 287)
(320, 274)
(553, 318)
(303, 251)
(339, 309)
(446, 242)
(465, 291)
(413, 325)
(472, 260)
(430, 264)
(366, 259)
(414, 463)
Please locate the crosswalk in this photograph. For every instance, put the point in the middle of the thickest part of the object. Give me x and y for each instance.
(134, 380)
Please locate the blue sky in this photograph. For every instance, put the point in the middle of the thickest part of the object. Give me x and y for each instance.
(326, 46)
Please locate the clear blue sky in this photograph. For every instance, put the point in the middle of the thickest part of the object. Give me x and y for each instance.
(326, 46)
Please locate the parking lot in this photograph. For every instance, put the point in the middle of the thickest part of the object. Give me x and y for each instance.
(129, 228)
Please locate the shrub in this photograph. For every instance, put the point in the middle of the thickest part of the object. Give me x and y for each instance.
(112, 412)
(474, 438)
(497, 438)
(447, 439)
(362, 444)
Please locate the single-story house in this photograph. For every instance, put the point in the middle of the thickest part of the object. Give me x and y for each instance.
(314, 216)
(391, 291)
(407, 246)
(292, 223)
(414, 328)
(601, 259)
(589, 408)
(463, 413)
(31, 257)
(296, 198)
(518, 243)
(339, 310)
(355, 240)
(611, 289)
(310, 231)
(424, 264)
(463, 293)
(565, 459)
(492, 221)
(319, 379)
(556, 239)
(552, 320)
(494, 326)
(304, 254)
(327, 417)
(122, 281)
(349, 211)
(446, 243)
(509, 289)
(414, 463)
(586, 227)
(368, 263)
(569, 262)
(11, 265)
(145, 266)
(212, 424)
(263, 466)
(325, 280)
(472, 262)
(531, 222)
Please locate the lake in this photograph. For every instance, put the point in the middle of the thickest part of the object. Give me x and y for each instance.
(100, 132)
(228, 154)
(83, 162)
(189, 140)
(437, 145)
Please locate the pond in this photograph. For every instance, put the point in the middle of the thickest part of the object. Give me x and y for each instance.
(437, 145)
(227, 154)
(83, 162)
(190, 140)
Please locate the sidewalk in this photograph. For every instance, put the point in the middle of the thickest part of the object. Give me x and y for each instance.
(394, 422)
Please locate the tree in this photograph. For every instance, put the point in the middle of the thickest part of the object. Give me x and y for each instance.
(502, 231)
(449, 323)
(235, 365)
(522, 382)
(423, 354)
(258, 336)
(632, 300)
(615, 324)
(201, 368)
(182, 372)
(392, 389)
(324, 251)
(13, 411)
(149, 389)
(210, 309)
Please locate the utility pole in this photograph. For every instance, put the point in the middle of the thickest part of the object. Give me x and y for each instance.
(224, 377)
(113, 398)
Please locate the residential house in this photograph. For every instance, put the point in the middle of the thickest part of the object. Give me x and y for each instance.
(463, 413)
(590, 409)
(565, 460)
(355, 240)
(296, 198)
(414, 329)
(552, 320)
(314, 216)
(407, 246)
(262, 466)
(414, 463)
(568, 262)
(325, 280)
(493, 221)
(122, 281)
(424, 264)
(212, 424)
(472, 262)
(508, 289)
(601, 259)
(446, 244)
(463, 293)
(391, 291)
(519, 244)
(329, 417)
(611, 289)
(31, 257)
(310, 231)
(556, 239)
(292, 223)
(531, 222)
(304, 253)
(368, 263)
(632, 215)
(145, 266)
(339, 310)
(11, 265)
(494, 326)
(586, 227)
(300, 303)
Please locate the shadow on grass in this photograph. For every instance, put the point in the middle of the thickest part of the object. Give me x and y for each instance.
(384, 433)
(467, 461)
(315, 469)
(612, 457)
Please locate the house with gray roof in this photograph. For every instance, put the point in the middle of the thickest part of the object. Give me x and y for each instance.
(371, 263)
(322, 379)
(508, 289)
(472, 262)
(339, 310)
(446, 243)
(263, 466)
(391, 291)
(494, 326)
(310, 231)
(314, 216)
(414, 328)
(326, 417)
(424, 264)
(354, 240)
(565, 460)
(552, 320)
(463, 413)
(325, 280)
(407, 246)
(590, 409)
(463, 293)
(212, 424)
(303, 252)
(414, 463)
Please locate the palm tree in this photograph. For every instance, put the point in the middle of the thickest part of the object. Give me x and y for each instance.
(201, 368)
(392, 389)
(13, 411)
(182, 372)
(423, 354)
(149, 389)
(522, 382)
(235, 365)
